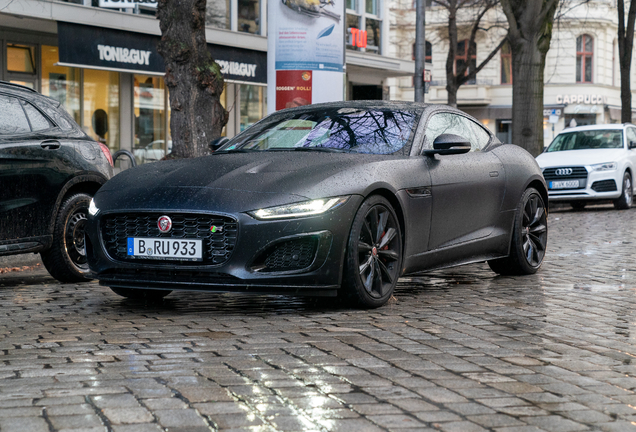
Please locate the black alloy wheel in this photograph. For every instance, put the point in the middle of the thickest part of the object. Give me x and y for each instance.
(529, 237)
(627, 196)
(374, 254)
(66, 258)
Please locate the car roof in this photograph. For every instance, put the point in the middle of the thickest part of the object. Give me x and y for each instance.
(596, 127)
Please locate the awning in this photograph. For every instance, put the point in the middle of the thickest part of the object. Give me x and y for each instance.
(122, 51)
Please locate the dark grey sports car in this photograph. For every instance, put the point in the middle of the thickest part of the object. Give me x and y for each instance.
(325, 200)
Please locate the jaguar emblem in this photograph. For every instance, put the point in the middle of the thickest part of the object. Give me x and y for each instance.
(164, 224)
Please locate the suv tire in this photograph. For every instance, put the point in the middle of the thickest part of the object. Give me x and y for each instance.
(66, 258)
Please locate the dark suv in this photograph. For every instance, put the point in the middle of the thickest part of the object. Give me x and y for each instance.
(49, 170)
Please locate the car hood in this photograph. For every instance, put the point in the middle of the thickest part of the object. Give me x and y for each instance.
(579, 157)
(238, 181)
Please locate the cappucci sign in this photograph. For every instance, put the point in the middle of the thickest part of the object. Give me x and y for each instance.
(581, 99)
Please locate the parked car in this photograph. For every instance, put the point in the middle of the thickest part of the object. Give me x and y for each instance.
(151, 152)
(323, 200)
(591, 163)
(49, 171)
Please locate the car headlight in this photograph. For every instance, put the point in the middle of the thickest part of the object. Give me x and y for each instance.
(92, 208)
(301, 209)
(608, 166)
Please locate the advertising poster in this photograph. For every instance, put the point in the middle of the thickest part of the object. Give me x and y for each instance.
(293, 88)
(306, 39)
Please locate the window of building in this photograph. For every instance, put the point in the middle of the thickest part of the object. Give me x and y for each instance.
(367, 18)
(462, 58)
(101, 106)
(249, 16)
(60, 83)
(506, 64)
(20, 58)
(428, 52)
(584, 57)
(150, 142)
(217, 14)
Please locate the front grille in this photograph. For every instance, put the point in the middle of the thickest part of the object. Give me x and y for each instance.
(217, 246)
(289, 255)
(577, 173)
(604, 186)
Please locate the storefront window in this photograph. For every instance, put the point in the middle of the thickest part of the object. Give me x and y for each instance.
(60, 83)
(150, 143)
(217, 14)
(353, 21)
(253, 104)
(249, 16)
(101, 106)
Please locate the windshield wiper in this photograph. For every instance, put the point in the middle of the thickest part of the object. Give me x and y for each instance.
(239, 150)
(322, 149)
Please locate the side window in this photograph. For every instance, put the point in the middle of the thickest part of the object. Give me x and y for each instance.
(37, 120)
(448, 123)
(12, 117)
(631, 135)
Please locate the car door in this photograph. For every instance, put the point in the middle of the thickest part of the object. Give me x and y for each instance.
(33, 168)
(467, 188)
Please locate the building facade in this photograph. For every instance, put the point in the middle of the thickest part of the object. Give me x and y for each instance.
(582, 75)
(99, 59)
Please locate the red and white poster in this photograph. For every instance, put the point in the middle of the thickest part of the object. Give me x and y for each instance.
(293, 88)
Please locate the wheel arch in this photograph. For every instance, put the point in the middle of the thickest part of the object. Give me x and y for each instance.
(83, 183)
(395, 203)
(540, 187)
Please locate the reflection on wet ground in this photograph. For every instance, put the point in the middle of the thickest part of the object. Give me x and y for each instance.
(459, 349)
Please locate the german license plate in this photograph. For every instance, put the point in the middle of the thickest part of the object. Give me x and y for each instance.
(565, 184)
(165, 249)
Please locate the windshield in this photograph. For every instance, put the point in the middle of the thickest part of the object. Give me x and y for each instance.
(587, 140)
(354, 130)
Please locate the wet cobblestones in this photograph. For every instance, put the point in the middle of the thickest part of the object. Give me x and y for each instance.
(456, 350)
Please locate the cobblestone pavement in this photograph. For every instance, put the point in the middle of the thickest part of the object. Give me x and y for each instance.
(456, 350)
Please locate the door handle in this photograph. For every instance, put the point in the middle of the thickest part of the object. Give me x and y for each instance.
(50, 144)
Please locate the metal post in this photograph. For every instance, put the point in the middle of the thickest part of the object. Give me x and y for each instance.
(420, 44)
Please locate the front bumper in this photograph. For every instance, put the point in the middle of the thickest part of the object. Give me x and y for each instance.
(599, 185)
(244, 270)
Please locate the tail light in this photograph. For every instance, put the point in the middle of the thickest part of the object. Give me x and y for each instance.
(106, 151)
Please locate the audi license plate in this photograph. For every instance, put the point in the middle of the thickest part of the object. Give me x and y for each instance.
(165, 249)
(565, 184)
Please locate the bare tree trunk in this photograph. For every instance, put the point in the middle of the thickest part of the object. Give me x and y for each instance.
(528, 66)
(530, 33)
(192, 76)
(625, 47)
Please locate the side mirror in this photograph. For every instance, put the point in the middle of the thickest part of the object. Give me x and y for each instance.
(632, 144)
(447, 144)
(218, 143)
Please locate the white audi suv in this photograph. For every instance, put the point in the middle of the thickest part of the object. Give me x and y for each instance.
(588, 163)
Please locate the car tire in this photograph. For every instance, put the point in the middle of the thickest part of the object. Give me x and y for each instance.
(627, 195)
(578, 205)
(529, 237)
(373, 259)
(65, 260)
(149, 295)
